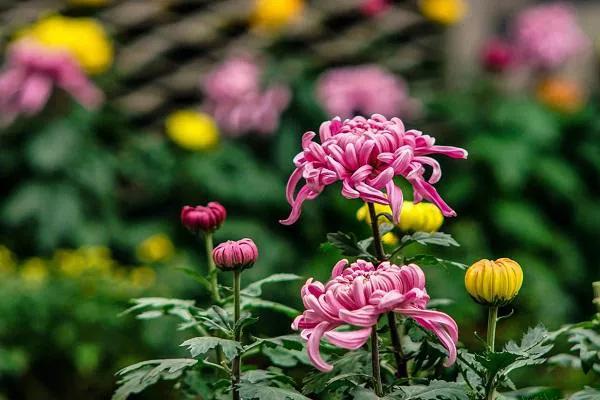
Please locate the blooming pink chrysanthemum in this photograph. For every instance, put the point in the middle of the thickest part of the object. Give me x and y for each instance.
(237, 101)
(365, 90)
(357, 296)
(30, 73)
(548, 35)
(365, 155)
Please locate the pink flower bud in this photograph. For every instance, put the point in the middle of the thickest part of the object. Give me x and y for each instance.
(498, 55)
(203, 218)
(233, 255)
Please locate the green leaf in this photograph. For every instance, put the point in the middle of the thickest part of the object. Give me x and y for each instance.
(356, 362)
(534, 393)
(586, 342)
(286, 358)
(52, 149)
(153, 307)
(263, 392)
(426, 260)
(427, 238)
(251, 303)
(203, 344)
(271, 375)
(137, 377)
(587, 394)
(255, 288)
(436, 390)
(198, 277)
(349, 245)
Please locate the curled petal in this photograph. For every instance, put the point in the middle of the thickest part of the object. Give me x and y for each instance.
(303, 194)
(426, 190)
(313, 345)
(395, 198)
(350, 340)
(365, 316)
(338, 268)
(442, 325)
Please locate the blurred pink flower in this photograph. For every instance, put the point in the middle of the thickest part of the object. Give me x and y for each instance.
(29, 75)
(373, 8)
(357, 296)
(232, 255)
(498, 55)
(548, 35)
(236, 100)
(365, 90)
(365, 155)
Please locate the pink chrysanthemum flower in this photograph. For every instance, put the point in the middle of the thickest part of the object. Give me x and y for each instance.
(237, 101)
(357, 296)
(366, 155)
(365, 90)
(548, 35)
(29, 75)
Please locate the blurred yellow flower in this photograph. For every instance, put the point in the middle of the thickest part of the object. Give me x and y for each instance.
(84, 38)
(142, 277)
(420, 217)
(446, 12)
(155, 248)
(390, 239)
(192, 130)
(34, 270)
(562, 95)
(89, 3)
(494, 283)
(8, 262)
(272, 15)
(70, 262)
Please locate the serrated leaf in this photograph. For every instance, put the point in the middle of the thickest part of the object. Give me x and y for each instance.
(261, 375)
(155, 307)
(203, 344)
(137, 377)
(586, 342)
(349, 245)
(255, 288)
(263, 392)
(353, 362)
(436, 390)
(430, 238)
(426, 260)
(198, 277)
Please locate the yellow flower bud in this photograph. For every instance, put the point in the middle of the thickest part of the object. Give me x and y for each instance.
(192, 130)
(420, 217)
(446, 12)
(494, 283)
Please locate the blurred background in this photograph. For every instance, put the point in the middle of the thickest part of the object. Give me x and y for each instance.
(115, 114)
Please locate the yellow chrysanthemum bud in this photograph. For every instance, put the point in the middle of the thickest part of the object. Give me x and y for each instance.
(84, 38)
(192, 130)
(34, 271)
(156, 248)
(420, 217)
(390, 239)
(272, 15)
(494, 283)
(561, 95)
(446, 12)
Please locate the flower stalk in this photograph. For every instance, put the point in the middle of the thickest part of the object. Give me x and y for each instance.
(237, 361)
(401, 370)
(491, 342)
(212, 269)
(377, 386)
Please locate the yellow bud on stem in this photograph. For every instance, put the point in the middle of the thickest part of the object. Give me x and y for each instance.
(494, 283)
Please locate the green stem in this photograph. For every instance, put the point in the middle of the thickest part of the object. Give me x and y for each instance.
(491, 342)
(491, 328)
(375, 363)
(379, 253)
(237, 361)
(212, 269)
(401, 370)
